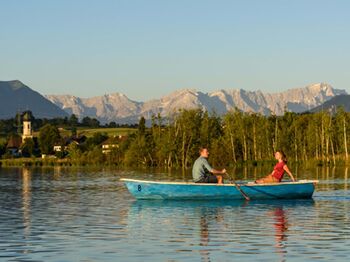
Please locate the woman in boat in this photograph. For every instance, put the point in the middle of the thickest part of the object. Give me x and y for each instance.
(278, 171)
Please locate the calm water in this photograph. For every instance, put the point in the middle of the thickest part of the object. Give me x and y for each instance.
(80, 215)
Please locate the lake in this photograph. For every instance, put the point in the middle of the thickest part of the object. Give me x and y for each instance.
(65, 214)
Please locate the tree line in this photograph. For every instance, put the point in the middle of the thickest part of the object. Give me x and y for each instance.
(232, 139)
(239, 137)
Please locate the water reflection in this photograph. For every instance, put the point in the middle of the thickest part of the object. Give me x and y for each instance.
(214, 225)
(57, 171)
(26, 200)
(204, 239)
(346, 179)
(281, 227)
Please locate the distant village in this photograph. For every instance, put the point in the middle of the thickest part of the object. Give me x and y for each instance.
(49, 142)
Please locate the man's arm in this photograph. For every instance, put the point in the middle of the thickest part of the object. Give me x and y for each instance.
(215, 171)
(212, 170)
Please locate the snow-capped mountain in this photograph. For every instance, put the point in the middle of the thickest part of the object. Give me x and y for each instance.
(117, 107)
(111, 107)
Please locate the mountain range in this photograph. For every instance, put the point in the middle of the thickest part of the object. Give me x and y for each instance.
(119, 108)
(15, 96)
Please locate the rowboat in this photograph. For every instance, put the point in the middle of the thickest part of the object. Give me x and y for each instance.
(142, 189)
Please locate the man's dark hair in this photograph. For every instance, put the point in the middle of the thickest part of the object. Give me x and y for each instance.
(202, 148)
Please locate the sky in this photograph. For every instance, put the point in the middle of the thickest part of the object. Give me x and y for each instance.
(149, 48)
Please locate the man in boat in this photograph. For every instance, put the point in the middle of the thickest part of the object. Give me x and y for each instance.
(202, 172)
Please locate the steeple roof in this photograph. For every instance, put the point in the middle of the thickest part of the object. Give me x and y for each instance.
(27, 116)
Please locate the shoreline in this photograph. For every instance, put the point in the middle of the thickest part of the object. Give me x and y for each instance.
(53, 162)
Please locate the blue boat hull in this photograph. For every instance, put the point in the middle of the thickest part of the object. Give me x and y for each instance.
(171, 190)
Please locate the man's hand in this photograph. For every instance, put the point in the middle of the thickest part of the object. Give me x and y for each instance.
(223, 171)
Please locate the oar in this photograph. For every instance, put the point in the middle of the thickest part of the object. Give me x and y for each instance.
(239, 189)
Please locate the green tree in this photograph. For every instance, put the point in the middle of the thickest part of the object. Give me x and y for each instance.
(28, 147)
(73, 120)
(73, 131)
(142, 147)
(187, 135)
(211, 129)
(90, 122)
(95, 156)
(95, 140)
(48, 137)
(2, 147)
(112, 124)
(138, 152)
(341, 137)
(142, 126)
(74, 152)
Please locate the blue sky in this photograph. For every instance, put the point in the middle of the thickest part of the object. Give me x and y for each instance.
(146, 49)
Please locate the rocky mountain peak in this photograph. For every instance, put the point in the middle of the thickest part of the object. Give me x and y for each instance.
(118, 107)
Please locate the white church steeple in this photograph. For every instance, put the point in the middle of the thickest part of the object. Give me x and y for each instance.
(27, 126)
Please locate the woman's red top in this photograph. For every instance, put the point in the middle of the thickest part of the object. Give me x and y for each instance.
(279, 171)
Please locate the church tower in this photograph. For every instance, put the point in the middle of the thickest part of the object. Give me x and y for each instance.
(27, 126)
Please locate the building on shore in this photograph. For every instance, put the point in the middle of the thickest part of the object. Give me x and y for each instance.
(13, 145)
(16, 141)
(27, 126)
(63, 144)
(112, 143)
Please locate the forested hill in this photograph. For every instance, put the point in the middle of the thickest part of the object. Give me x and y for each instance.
(334, 103)
(17, 97)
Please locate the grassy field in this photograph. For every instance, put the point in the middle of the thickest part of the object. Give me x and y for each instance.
(109, 131)
(89, 132)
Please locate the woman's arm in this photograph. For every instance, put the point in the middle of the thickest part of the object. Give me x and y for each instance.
(285, 167)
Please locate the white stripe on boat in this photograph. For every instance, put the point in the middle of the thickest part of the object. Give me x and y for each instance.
(208, 184)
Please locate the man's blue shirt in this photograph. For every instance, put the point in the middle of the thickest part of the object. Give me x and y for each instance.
(201, 169)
